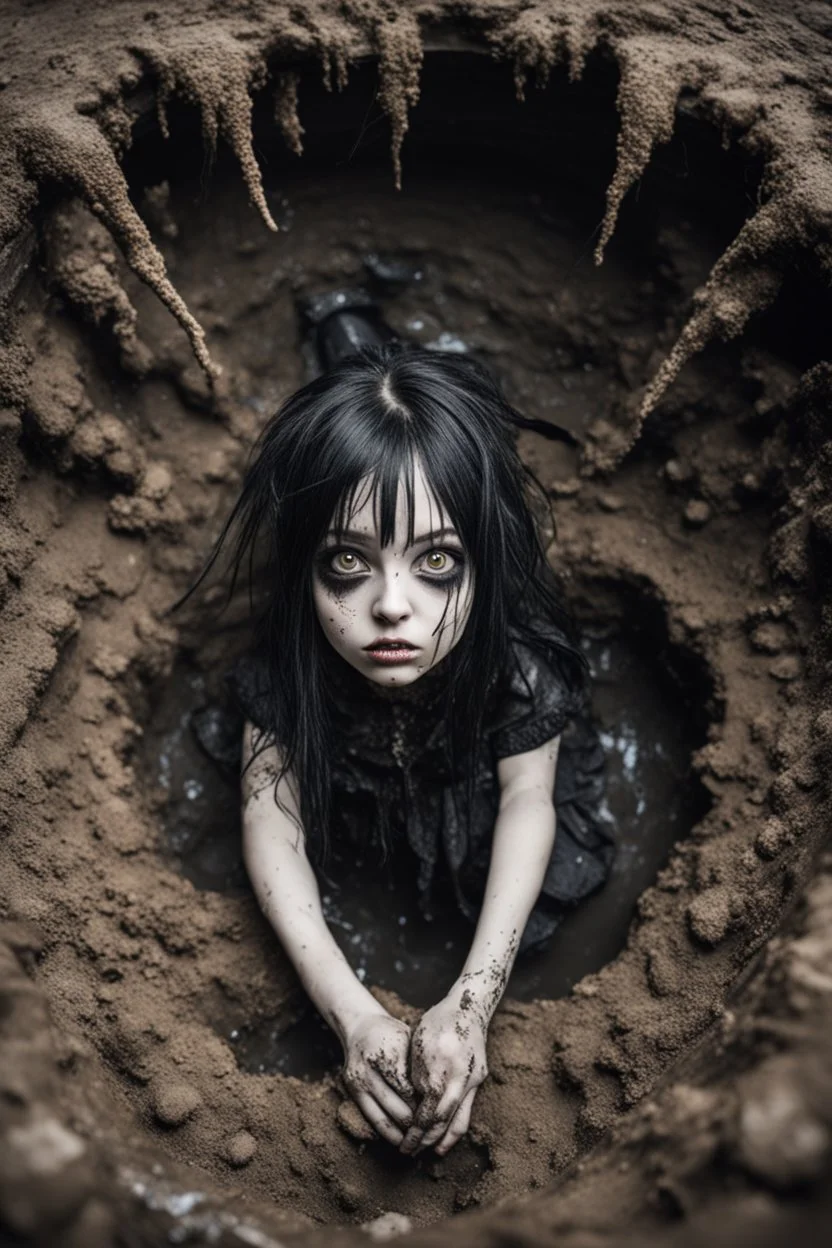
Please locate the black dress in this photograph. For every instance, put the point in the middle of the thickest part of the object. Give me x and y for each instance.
(393, 786)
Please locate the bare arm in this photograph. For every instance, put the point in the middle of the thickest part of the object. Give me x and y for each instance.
(448, 1051)
(274, 848)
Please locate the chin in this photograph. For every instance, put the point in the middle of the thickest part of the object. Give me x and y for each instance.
(404, 675)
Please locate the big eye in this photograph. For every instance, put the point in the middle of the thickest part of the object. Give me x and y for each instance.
(440, 562)
(346, 562)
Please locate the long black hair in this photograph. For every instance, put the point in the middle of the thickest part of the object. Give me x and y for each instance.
(371, 419)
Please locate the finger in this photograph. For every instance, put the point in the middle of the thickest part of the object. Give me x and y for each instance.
(443, 1115)
(393, 1070)
(390, 1102)
(425, 1115)
(377, 1119)
(450, 1102)
(413, 1137)
(424, 1119)
(411, 1140)
(459, 1124)
(432, 1135)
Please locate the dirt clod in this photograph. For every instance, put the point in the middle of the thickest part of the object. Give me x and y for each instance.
(239, 1149)
(697, 513)
(173, 1103)
(709, 915)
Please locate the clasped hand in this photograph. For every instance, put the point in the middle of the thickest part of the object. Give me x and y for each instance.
(417, 1089)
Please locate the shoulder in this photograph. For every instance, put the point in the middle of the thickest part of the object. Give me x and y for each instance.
(536, 695)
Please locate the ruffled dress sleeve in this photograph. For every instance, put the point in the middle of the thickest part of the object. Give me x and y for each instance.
(534, 704)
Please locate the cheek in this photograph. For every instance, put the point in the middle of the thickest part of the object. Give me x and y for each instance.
(336, 609)
(449, 611)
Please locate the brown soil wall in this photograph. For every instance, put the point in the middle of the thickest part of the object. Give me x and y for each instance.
(683, 1093)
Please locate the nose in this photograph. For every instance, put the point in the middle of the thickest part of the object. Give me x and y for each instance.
(392, 604)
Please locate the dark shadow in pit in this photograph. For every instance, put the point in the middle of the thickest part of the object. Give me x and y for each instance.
(649, 725)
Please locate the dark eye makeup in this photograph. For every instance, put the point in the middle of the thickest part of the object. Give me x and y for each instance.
(335, 578)
(443, 578)
(343, 579)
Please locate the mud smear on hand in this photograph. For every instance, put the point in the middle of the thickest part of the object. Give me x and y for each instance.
(119, 460)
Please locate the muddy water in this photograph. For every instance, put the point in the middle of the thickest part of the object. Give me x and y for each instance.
(373, 914)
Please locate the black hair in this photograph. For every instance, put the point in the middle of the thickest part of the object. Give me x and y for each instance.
(371, 418)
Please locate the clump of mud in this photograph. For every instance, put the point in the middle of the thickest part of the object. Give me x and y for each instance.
(148, 330)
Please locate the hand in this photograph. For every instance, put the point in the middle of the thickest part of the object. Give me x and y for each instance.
(376, 1050)
(448, 1064)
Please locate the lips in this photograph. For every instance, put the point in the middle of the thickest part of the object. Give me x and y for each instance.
(390, 650)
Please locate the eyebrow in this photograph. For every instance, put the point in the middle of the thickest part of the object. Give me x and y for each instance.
(364, 539)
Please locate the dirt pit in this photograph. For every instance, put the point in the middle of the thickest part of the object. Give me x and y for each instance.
(663, 1070)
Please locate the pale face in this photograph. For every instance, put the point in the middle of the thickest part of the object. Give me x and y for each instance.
(394, 612)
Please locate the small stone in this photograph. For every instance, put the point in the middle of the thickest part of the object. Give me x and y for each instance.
(822, 523)
(46, 1176)
(697, 513)
(678, 471)
(157, 482)
(217, 468)
(771, 839)
(388, 1226)
(59, 618)
(780, 1139)
(751, 484)
(565, 489)
(239, 1149)
(611, 502)
(786, 668)
(822, 728)
(770, 637)
(109, 663)
(709, 916)
(172, 1102)
(692, 618)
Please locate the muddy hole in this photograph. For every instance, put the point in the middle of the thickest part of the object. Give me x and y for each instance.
(652, 801)
(691, 534)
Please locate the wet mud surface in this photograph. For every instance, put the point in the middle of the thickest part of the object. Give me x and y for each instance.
(160, 1069)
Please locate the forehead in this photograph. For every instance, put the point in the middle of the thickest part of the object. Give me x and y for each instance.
(418, 509)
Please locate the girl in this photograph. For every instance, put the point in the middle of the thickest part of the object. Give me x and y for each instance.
(412, 673)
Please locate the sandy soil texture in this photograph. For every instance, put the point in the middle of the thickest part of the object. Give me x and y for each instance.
(171, 180)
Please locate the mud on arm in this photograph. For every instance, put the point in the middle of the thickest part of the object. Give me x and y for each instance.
(448, 1061)
(274, 848)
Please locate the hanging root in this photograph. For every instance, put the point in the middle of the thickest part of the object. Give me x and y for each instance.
(539, 38)
(535, 42)
(652, 74)
(744, 280)
(216, 75)
(399, 44)
(286, 112)
(71, 148)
